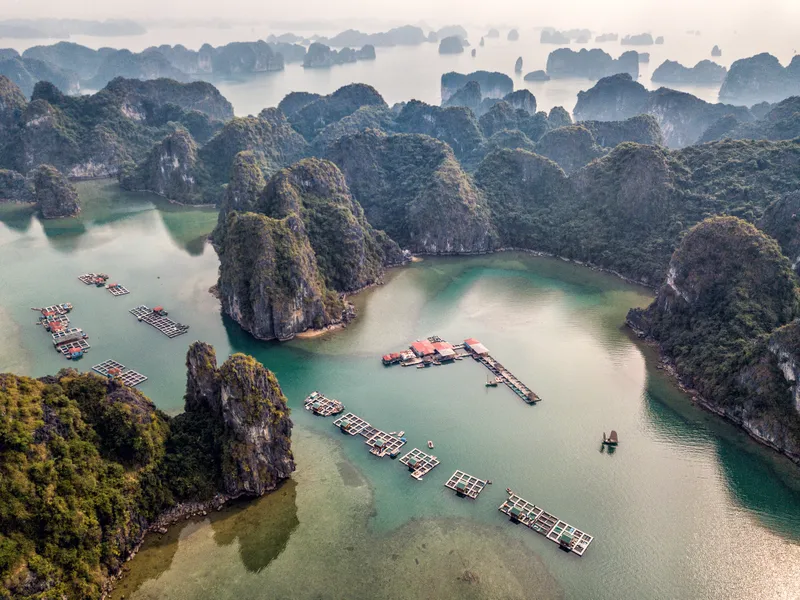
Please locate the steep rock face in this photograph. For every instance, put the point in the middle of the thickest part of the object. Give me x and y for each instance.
(412, 187)
(522, 100)
(781, 122)
(760, 78)
(703, 73)
(493, 84)
(539, 75)
(170, 170)
(366, 117)
(559, 117)
(256, 429)
(138, 97)
(519, 187)
(727, 288)
(26, 72)
(640, 39)
(716, 52)
(68, 56)
(591, 64)
(246, 184)
(14, 187)
(682, 117)
(12, 105)
(518, 65)
(294, 101)
(55, 196)
(784, 344)
(246, 57)
(314, 116)
(455, 126)
(469, 97)
(349, 252)
(269, 281)
(503, 116)
(641, 129)
(451, 45)
(124, 63)
(570, 147)
(781, 220)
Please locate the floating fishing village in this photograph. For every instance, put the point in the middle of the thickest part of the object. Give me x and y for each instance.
(432, 351)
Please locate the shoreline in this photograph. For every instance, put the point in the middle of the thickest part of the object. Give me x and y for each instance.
(666, 364)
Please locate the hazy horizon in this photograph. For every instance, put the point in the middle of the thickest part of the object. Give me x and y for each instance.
(755, 18)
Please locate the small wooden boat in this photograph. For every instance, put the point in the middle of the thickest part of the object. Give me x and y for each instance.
(612, 439)
(492, 382)
(430, 444)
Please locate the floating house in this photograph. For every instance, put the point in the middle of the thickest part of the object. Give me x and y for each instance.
(423, 348)
(391, 359)
(476, 347)
(444, 351)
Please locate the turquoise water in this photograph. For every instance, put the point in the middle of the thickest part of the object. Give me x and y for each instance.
(687, 507)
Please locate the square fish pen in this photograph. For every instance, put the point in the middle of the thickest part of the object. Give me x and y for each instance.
(569, 538)
(92, 278)
(465, 484)
(165, 325)
(384, 444)
(129, 377)
(419, 463)
(80, 345)
(118, 290)
(351, 424)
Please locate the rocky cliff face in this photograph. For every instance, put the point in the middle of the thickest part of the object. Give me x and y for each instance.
(455, 126)
(137, 98)
(269, 280)
(493, 84)
(469, 97)
(170, 170)
(728, 288)
(451, 45)
(248, 402)
(313, 116)
(703, 73)
(412, 187)
(503, 116)
(570, 147)
(15, 188)
(779, 121)
(682, 117)
(521, 100)
(12, 105)
(760, 78)
(781, 220)
(55, 196)
(641, 129)
(590, 64)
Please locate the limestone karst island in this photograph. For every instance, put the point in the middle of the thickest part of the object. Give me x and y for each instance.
(353, 300)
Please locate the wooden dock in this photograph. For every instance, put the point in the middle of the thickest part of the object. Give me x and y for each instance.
(116, 289)
(321, 405)
(465, 484)
(65, 348)
(419, 463)
(112, 368)
(505, 376)
(165, 325)
(554, 529)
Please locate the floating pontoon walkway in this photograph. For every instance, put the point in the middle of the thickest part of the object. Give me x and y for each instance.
(419, 463)
(554, 529)
(111, 368)
(116, 289)
(165, 325)
(322, 406)
(79, 345)
(93, 278)
(505, 376)
(465, 484)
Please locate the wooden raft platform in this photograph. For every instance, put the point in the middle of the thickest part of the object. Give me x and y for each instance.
(165, 325)
(505, 376)
(116, 289)
(128, 376)
(465, 484)
(419, 463)
(92, 278)
(70, 335)
(321, 405)
(352, 424)
(66, 347)
(554, 529)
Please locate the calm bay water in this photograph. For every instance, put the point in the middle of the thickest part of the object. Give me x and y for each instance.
(687, 507)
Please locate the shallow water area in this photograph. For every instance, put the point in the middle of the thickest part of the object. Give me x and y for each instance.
(686, 507)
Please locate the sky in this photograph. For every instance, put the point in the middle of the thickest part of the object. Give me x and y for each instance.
(757, 16)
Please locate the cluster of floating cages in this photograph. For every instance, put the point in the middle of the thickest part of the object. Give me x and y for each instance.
(381, 443)
(322, 406)
(115, 370)
(74, 350)
(157, 318)
(539, 520)
(101, 280)
(419, 463)
(71, 342)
